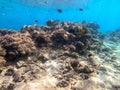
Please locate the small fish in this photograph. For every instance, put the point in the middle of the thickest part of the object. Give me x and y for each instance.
(59, 10)
(81, 9)
(81, 31)
(36, 21)
(3, 7)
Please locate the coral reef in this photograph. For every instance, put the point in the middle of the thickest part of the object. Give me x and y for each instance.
(16, 45)
(59, 56)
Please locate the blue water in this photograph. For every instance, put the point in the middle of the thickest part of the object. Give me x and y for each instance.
(16, 13)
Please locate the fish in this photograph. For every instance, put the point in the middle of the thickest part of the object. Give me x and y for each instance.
(2, 6)
(81, 9)
(81, 31)
(36, 21)
(59, 10)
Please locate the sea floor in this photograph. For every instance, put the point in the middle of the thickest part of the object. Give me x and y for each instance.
(35, 59)
(111, 75)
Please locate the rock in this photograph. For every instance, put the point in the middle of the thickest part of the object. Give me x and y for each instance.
(5, 32)
(63, 83)
(116, 87)
(43, 40)
(88, 70)
(2, 51)
(75, 64)
(17, 77)
(2, 62)
(10, 72)
(11, 86)
(52, 23)
(94, 61)
(35, 34)
(80, 68)
(47, 29)
(72, 47)
(72, 55)
(79, 46)
(30, 28)
(20, 63)
(60, 37)
(90, 84)
(84, 38)
(44, 57)
(5, 83)
(1, 71)
(92, 25)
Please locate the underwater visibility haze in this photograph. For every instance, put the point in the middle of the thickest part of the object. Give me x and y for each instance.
(59, 44)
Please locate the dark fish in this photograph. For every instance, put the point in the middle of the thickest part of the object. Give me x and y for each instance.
(2, 7)
(81, 9)
(36, 21)
(59, 10)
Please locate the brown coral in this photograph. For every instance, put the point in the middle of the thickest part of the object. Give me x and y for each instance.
(17, 45)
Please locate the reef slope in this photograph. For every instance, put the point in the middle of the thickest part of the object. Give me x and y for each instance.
(58, 56)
